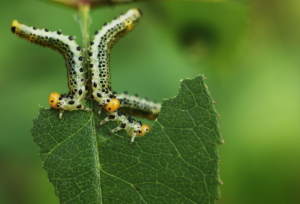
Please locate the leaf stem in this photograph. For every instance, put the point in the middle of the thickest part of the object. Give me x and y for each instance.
(85, 21)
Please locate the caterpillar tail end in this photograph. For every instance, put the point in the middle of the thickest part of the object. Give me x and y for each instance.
(14, 26)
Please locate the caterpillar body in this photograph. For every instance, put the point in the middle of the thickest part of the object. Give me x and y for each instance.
(132, 127)
(73, 56)
(133, 105)
(99, 55)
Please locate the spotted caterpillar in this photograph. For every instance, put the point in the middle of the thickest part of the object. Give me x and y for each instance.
(133, 105)
(99, 53)
(99, 56)
(72, 54)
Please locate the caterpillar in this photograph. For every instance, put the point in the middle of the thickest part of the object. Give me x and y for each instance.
(99, 56)
(133, 128)
(133, 105)
(73, 56)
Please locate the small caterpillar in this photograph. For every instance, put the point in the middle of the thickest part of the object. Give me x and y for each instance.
(73, 56)
(133, 105)
(132, 127)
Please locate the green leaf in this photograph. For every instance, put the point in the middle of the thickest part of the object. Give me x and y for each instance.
(176, 162)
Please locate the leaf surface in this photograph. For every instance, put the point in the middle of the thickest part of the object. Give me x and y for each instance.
(176, 162)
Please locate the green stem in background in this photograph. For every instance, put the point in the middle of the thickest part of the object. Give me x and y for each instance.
(84, 22)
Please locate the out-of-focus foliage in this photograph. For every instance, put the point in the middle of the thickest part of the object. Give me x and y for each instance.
(249, 52)
(100, 3)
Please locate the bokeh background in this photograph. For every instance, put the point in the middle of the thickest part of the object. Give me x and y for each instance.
(248, 50)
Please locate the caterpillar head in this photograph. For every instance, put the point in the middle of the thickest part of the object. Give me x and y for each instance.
(113, 105)
(144, 129)
(53, 100)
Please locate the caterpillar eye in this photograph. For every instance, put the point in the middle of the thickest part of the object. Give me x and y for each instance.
(53, 100)
(145, 128)
(113, 105)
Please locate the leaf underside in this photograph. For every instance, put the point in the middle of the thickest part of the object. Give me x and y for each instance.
(176, 162)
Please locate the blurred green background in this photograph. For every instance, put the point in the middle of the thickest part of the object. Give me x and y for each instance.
(248, 50)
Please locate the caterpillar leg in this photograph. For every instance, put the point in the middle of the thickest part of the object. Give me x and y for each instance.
(107, 119)
(132, 139)
(99, 109)
(114, 130)
(61, 112)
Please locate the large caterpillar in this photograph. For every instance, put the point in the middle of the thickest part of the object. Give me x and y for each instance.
(73, 56)
(99, 54)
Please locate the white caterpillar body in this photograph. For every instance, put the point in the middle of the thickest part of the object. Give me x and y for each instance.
(73, 56)
(99, 53)
(136, 103)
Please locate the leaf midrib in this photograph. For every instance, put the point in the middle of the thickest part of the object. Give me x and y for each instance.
(99, 164)
(97, 154)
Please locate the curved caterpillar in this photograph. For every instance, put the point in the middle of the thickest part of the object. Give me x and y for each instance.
(73, 56)
(99, 55)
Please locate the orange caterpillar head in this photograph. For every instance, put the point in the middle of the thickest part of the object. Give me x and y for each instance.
(53, 100)
(145, 128)
(113, 105)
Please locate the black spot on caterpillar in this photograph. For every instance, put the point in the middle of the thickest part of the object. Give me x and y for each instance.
(68, 48)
